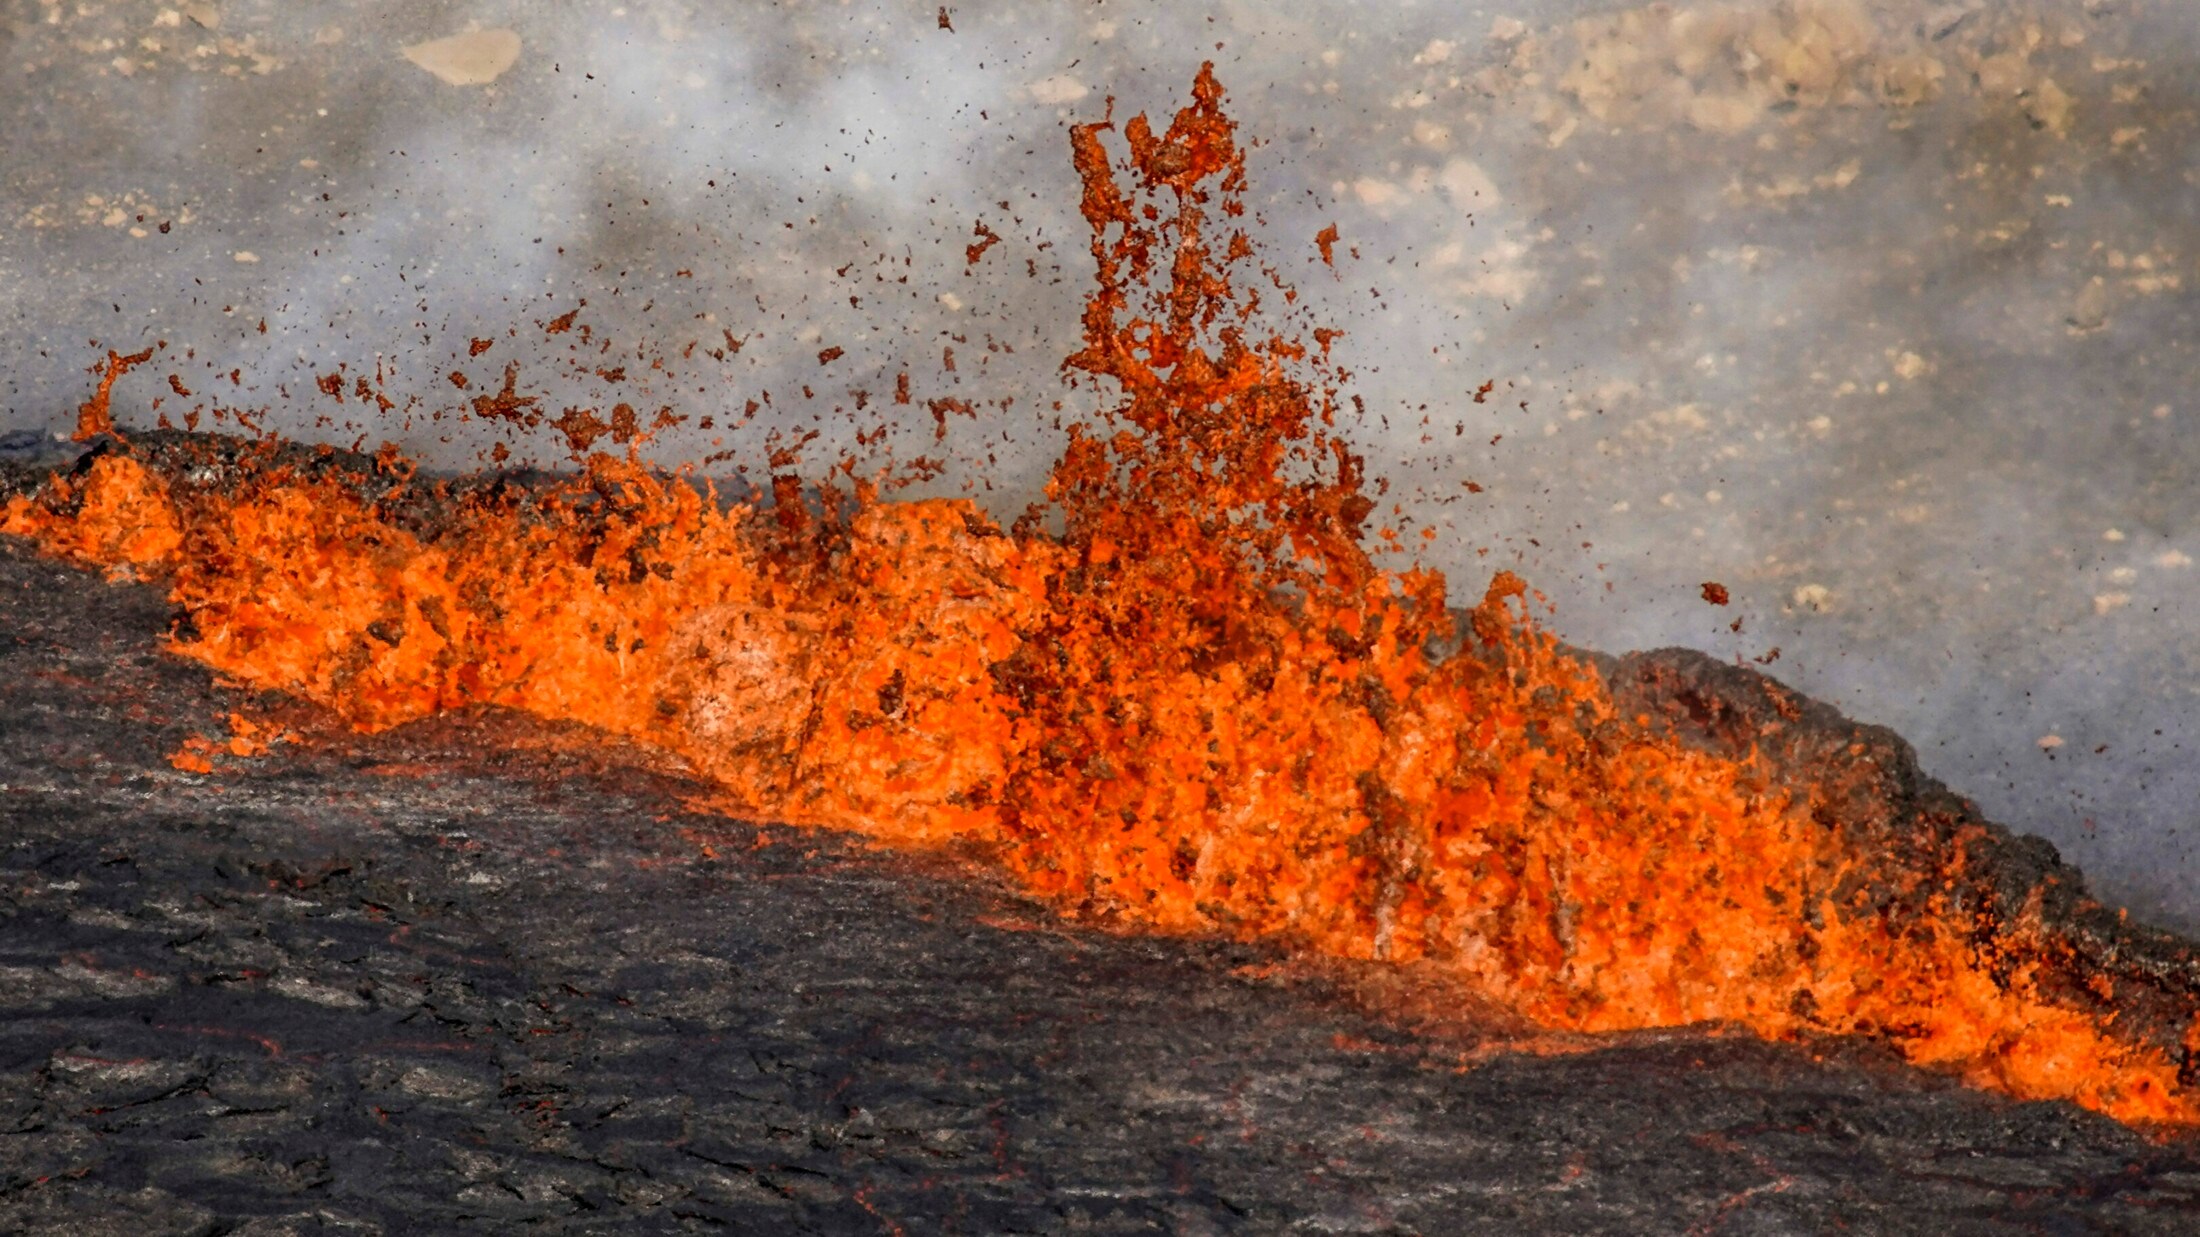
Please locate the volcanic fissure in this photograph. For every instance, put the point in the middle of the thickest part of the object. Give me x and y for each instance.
(1197, 707)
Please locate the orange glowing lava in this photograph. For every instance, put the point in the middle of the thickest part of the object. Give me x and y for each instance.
(1201, 708)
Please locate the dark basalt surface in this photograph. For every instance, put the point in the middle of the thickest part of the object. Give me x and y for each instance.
(424, 983)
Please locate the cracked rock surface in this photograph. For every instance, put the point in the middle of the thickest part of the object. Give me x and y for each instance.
(425, 983)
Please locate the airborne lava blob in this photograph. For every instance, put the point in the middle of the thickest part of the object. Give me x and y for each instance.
(1200, 708)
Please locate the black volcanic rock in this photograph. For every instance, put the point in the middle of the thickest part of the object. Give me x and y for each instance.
(475, 975)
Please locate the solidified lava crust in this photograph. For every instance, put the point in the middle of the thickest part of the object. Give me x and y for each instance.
(469, 976)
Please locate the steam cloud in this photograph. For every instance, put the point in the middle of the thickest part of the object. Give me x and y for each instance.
(1877, 313)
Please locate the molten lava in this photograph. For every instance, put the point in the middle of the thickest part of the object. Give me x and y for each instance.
(1200, 708)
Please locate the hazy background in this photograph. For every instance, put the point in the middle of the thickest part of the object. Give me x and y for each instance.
(1879, 313)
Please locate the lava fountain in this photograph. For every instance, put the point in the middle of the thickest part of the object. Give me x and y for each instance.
(1198, 707)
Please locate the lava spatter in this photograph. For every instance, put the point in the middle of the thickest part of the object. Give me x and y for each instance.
(1201, 707)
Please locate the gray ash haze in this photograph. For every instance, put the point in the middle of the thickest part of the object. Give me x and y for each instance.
(1880, 314)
